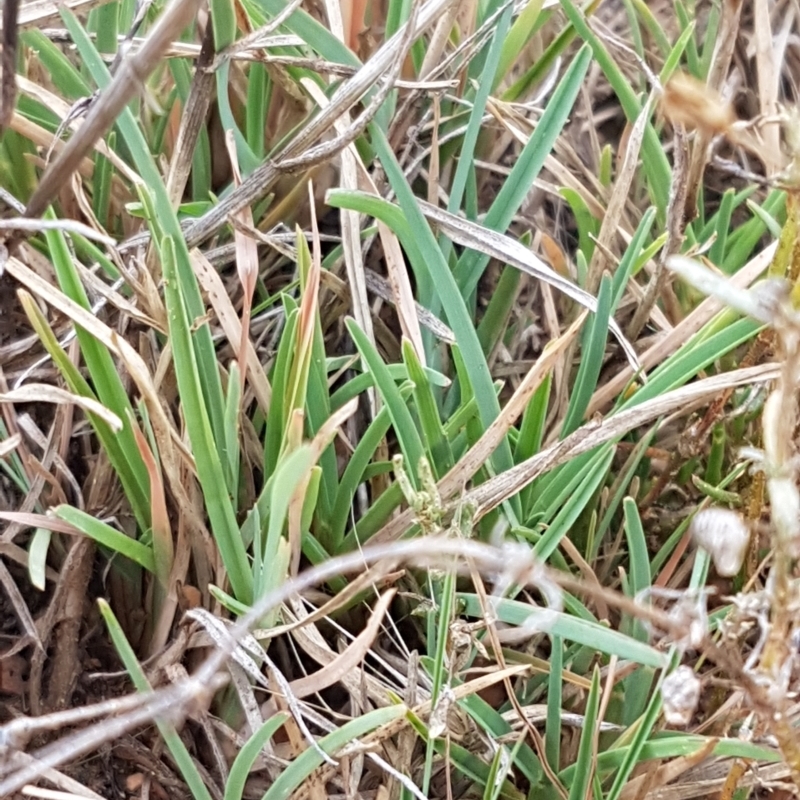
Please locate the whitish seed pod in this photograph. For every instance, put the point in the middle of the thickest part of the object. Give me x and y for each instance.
(725, 535)
(680, 693)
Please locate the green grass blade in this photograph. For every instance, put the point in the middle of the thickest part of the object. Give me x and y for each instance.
(466, 154)
(108, 537)
(353, 475)
(592, 349)
(296, 772)
(493, 324)
(555, 684)
(402, 421)
(171, 738)
(590, 481)
(290, 473)
(436, 444)
(637, 686)
(517, 38)
(584, 764)
(207, 456)
(574, 629)
(246, 757)
(515, 188)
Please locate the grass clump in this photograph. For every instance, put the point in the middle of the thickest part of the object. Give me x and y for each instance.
(391, 407)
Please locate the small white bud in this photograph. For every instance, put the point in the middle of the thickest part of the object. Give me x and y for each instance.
(680, 693)
(725, 535)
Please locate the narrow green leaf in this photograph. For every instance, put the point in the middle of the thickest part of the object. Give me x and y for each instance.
(521, 31)
(246, 757)
(515, 188)
(353, 475)
(574, 629)
(107, 536)
(466, 154)
(593, 346)
(591, 479)
(404, 425)
(555, 684)
(584, 764)
(173, 741)
(437, 446)
(299, 769)
(206, 454)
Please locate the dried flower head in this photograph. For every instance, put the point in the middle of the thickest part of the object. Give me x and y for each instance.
(680, 693)
(695, 105)
(724, 534)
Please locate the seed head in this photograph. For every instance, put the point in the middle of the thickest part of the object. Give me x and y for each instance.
(725, 535)
(680, 693)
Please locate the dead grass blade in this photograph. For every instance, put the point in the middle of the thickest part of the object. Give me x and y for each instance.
(310, 640)
(350, 220)
(676, 210)
(350, 658)
(619, 197)
(211, 283)
(67, 788)
(62, 109)
(510, 251)
(46, 393)
(769, 77)
(509, 564)
(246, 258)
(361, 279)
(19, 605)
(455, 480)
(61, 630)
(388, 291)
(193, 119)
(35, 225)
(35, 14)
(170, 447)
(354, 587)
(724, 46)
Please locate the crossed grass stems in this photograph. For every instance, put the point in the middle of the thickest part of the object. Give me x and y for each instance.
(765, 677)
(506, 565)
